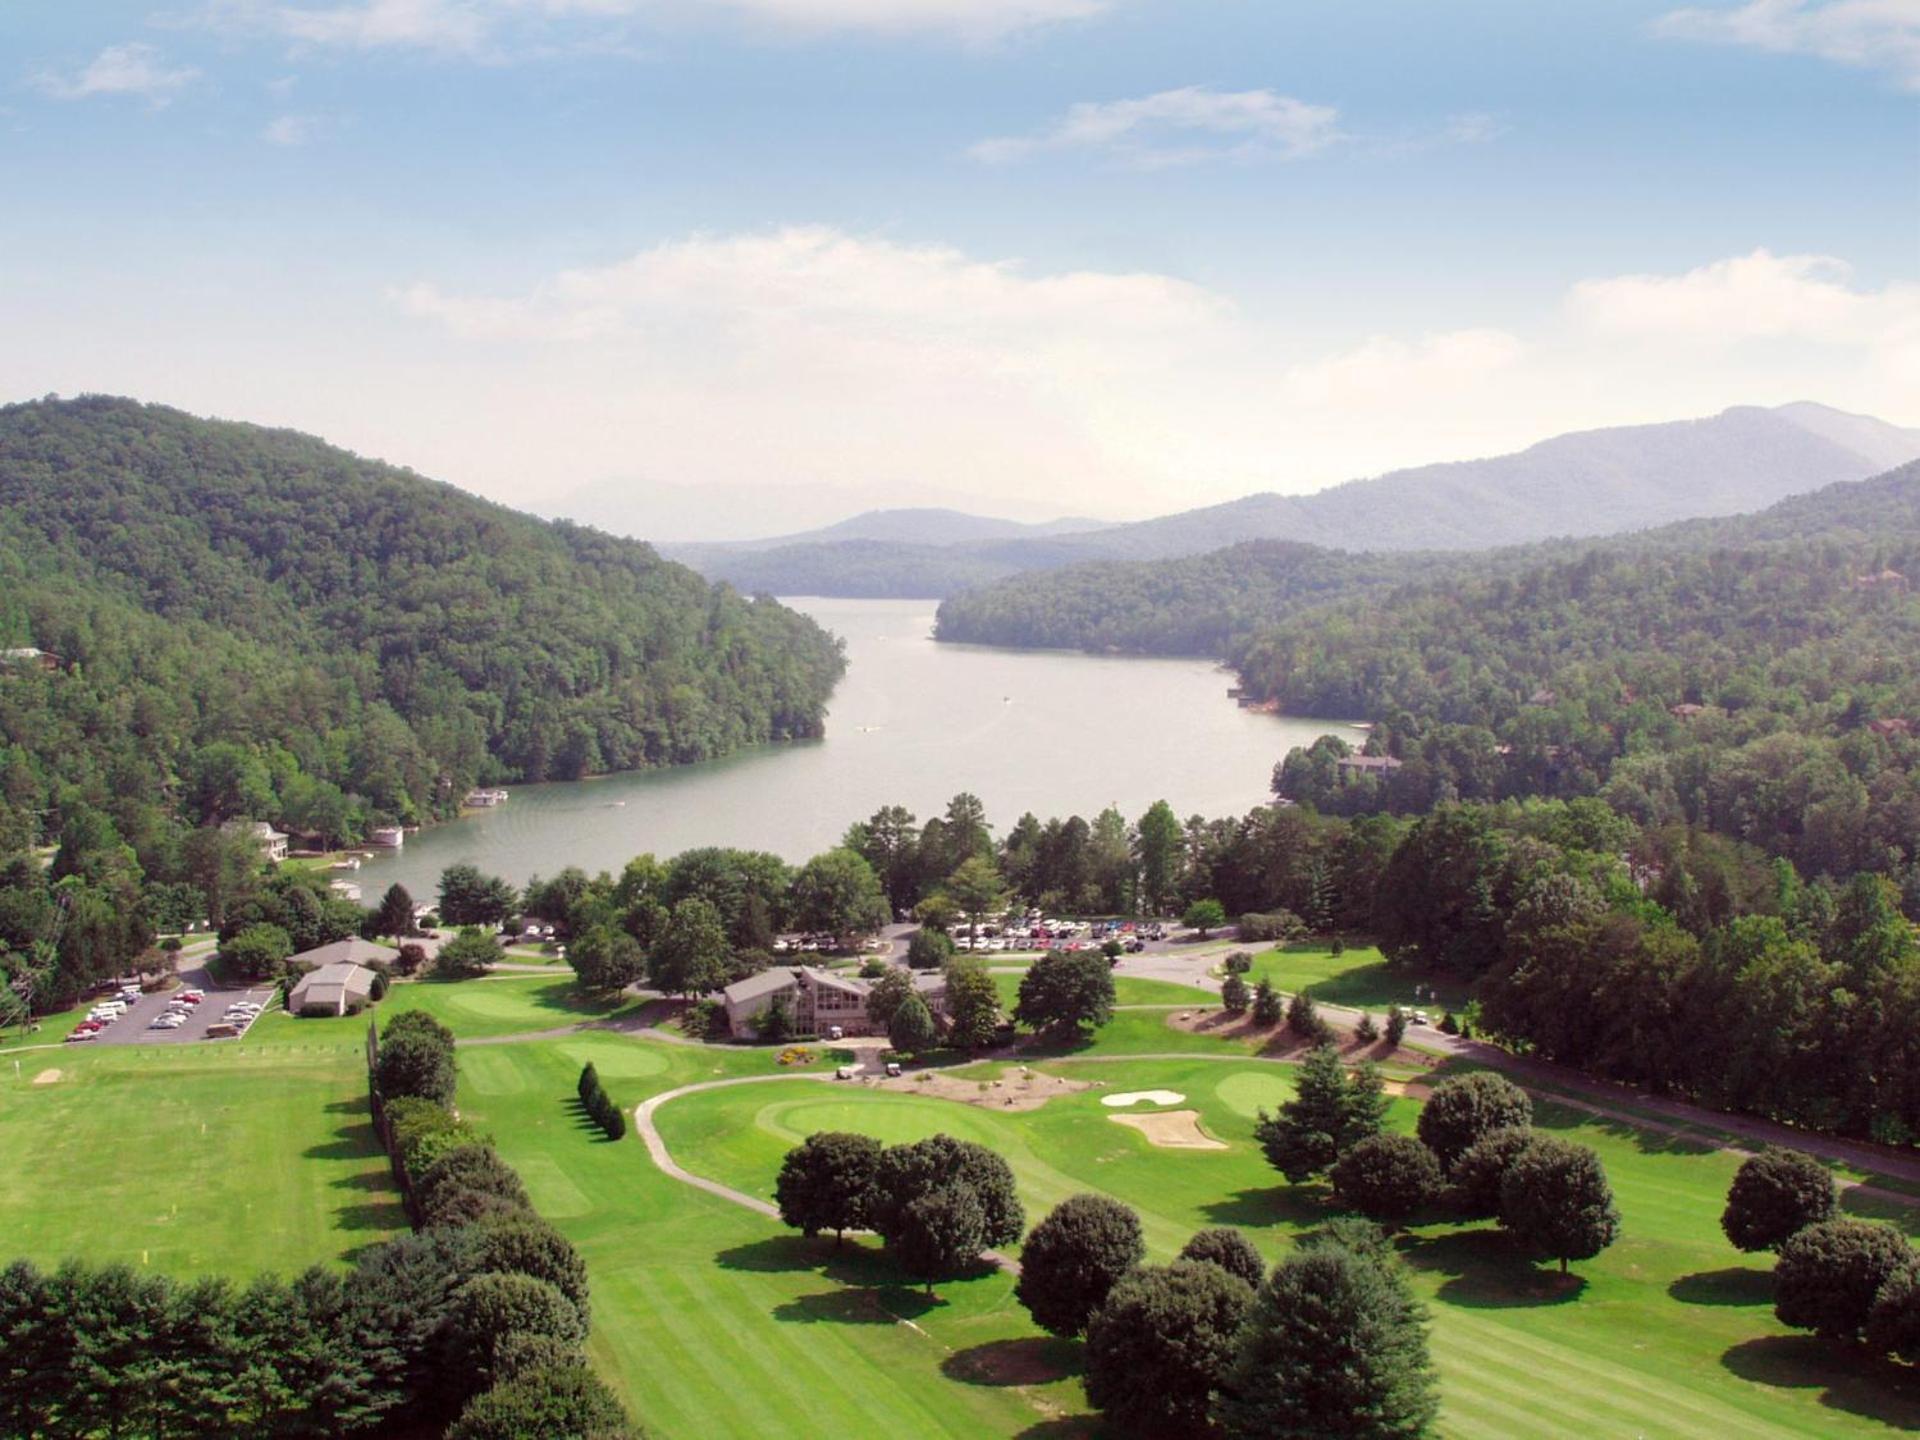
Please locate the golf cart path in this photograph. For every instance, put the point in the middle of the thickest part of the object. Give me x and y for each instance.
(662, 1157)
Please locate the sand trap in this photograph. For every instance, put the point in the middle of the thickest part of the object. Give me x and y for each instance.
(1171, 1129)
(47, 1077)
(1012, 1091)
(1134, 1097)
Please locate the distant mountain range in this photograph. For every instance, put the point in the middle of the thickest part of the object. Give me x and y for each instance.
(1589, 483)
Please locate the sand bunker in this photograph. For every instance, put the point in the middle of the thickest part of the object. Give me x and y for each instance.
(1134, 1097)
(1171, 1129)
(1012, 1091)
(47, 1077)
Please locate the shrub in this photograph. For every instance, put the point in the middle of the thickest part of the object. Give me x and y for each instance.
(1830, 1274)
(599, 1105)
(1893, 1325)
(1396, 1025)
(1073, 1259)
(528, 1245)
(1463, 1108)
(415, 1063)
(929, 949)
(554, 1402)
(1157, 1349)
(1474, 1189)
(1365, 1030)
(1775, 1195)
(1230, 1250)
(468, 954)
(474, 1169)
(1234, 998)
(1335, 1344)
(1239, 963)
(704, 1020)
(1449, 1025)
(1272, 926)
(490, 1308)
(1266, 1004)
(1555, 1199)
(1387, 1177)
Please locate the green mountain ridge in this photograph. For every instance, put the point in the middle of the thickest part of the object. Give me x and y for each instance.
(252, 622)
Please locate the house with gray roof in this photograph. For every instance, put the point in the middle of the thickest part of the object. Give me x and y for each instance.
(341, 988)
(348, 952)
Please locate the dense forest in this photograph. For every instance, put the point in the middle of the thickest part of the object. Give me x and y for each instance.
(248, 622)
(1197, 606)
(1769, 692)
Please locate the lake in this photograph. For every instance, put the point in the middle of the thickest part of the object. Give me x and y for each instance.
(913, 723)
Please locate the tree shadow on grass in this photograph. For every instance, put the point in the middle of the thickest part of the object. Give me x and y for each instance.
(1032, 1360)
(1270, 1205)
(858, 1305)
(1075, 1427)
(779, 1254)
(1848, 1378)
(1488, 1271)
(1548, 1115)
(353, 1142)
(584, 1122)
(1735, 1285)
(371, 1215)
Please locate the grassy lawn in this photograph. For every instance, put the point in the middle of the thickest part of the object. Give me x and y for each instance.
(491, 1006)
(1669, 1333)
(711, 1320)
(1359, 978)
(1127, 990)
(193, 1159)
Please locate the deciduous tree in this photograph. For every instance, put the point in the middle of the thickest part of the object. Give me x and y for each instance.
(1074, 1257)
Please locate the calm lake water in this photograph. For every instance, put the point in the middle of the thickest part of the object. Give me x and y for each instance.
(913, 723)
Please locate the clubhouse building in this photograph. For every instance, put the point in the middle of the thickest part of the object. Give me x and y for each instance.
(817, 999)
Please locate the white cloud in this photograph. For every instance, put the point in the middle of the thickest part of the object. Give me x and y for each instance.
(1177, 127)
(1871, 34)
(497, 30)
(818, 279)
(970, 19)
(1384, 370)
(1761, 296)
(291, 130)
(134, 69)
(814, 354)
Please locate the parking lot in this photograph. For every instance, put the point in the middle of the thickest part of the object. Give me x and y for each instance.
(136, 1026)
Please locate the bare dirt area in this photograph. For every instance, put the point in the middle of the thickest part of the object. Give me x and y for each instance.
(48, 1077)
(1279, 1043)
(1012, 1091)
(1171, 1129)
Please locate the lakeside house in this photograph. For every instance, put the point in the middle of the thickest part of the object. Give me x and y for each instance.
(818, 1000)
(1368, 765)
(341, 988)
(387, 837)
(485, 799)
(273, 843)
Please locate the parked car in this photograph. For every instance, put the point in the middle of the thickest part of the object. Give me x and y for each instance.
(893, 1067)
(845, 1072)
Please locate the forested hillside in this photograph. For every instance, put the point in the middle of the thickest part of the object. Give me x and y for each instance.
(1766, 688)
(252, 623)
(1196, 606)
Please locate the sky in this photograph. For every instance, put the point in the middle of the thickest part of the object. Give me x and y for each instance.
(715, 268)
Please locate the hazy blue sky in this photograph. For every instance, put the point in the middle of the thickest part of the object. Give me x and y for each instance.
(1109, 256)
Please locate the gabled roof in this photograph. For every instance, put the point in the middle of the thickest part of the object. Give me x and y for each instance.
(350, 952)
(767, 982)
(334, 984)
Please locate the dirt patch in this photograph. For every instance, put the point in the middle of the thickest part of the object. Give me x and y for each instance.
(1279, 1043)
(1171, 1129)
(48, 1077)
(1012, 1091)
